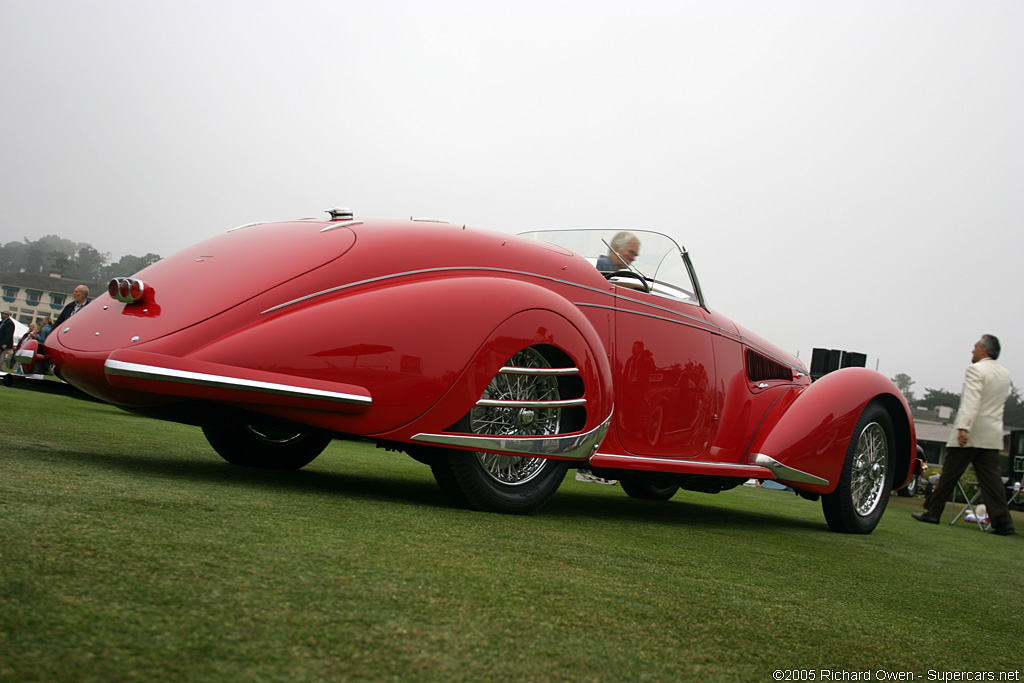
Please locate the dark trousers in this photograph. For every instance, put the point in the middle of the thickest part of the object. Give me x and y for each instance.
(990, 480)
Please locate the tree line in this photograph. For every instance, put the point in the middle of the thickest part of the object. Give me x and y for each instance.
(933, 398)
(73, 260)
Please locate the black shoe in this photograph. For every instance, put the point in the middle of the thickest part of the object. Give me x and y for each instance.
(1006, 530)
(924, 517)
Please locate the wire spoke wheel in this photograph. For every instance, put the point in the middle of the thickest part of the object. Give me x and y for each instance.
(869, 467)
(513, 407)
(865, 481)
(513, 470)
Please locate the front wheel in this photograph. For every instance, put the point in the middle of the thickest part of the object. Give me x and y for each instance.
(857, 504)
(272, 447)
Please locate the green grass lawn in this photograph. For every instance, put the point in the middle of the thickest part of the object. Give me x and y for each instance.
(129, 551)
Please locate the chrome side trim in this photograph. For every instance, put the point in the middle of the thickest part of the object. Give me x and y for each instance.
(651, 304)
(741, 469)
(687, 320)
(576, 446)
(423, 271)
(538, 371)
(341, 225)
(498, 403)
(701, 324)
(152, 372)
(784, 473)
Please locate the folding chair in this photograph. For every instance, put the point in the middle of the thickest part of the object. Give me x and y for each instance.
(1016, 495)
(968, 506)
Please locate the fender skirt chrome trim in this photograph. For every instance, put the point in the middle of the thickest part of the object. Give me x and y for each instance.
(784, 473)
(119, 368)
(502, 403)
(576, 446)
(538, 371)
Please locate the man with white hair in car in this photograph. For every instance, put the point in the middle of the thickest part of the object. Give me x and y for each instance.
(625, 247)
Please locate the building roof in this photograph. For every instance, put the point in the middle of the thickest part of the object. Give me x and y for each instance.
(930, 431)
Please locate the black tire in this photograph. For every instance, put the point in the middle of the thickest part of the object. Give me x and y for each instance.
(512, 484)
(857, 504)
(910, 490)
(252, 444)
(643, 490)
(473, 484)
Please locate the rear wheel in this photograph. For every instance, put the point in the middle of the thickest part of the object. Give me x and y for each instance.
(857, 504)
(274, 447)
(494, 482)
(645, 490)
(474, 485)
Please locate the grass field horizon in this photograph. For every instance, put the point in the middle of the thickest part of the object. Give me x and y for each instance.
(130, 551)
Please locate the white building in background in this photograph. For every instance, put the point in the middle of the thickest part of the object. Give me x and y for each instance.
(31, 297)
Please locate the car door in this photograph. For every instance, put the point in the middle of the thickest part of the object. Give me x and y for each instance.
(665, 373)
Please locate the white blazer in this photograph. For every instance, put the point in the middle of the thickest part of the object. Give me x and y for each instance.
(986, 387)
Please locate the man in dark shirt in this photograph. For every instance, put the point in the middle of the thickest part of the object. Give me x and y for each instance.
(625, 247)
(81, 298)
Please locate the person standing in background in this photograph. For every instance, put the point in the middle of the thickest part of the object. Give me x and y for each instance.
(977, 439)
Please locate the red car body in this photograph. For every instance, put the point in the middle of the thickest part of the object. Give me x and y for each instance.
(499, 360)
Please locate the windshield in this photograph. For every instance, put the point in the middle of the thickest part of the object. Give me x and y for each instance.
(656, 257)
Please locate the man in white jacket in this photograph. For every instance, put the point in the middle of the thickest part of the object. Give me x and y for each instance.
(977, 439)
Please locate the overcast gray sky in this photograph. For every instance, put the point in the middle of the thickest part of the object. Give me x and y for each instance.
(846, 174)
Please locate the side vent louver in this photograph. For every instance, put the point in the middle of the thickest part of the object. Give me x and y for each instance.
(760, 368)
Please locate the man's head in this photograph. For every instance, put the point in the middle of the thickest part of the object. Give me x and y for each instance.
(625, 248)
(4, 315)
(987, 347)
(81, 294)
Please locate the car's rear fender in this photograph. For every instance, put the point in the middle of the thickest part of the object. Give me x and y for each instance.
(807, 432)
(565, 345)
(569, 342)
(423, 348)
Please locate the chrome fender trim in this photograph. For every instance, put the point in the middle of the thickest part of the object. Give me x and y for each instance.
(152, 372)
(507, 370)
(576, 446)
(784, 473)
(502, 403)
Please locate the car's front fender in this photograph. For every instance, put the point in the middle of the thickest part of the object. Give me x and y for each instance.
(808, 430)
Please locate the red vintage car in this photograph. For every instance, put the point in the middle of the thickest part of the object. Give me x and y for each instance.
(500, 361)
